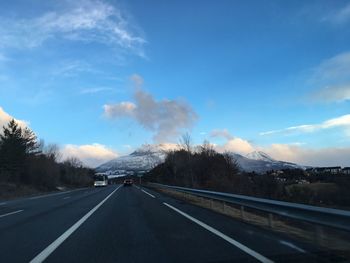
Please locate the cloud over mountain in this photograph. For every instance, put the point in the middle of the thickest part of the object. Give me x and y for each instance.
(232, 143)
(91, 155)
(166, 118)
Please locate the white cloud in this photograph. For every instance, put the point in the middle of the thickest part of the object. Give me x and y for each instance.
(332, 79)
(342, 122)
(339, 16)
(91, 155)
(165, 147)
(337, 67)
(333, 93)
(221, 133)
(168, 146)
(307, 156)
(95, 90)
(232, 144)
(73, 68)
(85, 21)
(5, 118)
(295, 152)
(121, 109)
(166, 118)
(137, 80)
(236, 145)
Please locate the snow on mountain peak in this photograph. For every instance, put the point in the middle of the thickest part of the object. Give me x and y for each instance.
(144, 158)
(149, 156)
(155, 148)
(260, 156)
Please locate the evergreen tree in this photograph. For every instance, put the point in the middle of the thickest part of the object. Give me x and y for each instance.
(15, 145)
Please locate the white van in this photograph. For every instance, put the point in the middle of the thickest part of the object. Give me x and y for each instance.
(101, 180)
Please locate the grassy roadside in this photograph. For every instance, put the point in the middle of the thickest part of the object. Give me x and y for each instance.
(335, 243)
(9, 191)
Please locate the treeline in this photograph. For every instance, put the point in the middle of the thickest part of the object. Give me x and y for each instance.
(24, 160)
(205, 168)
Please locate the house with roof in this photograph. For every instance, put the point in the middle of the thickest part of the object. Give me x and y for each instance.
(346, 170)
(328, 170)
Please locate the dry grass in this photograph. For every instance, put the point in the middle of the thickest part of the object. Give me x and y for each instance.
(334, 241)
(10, 191)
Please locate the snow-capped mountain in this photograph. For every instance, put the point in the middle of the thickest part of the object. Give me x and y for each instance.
(143, 159)
(261, 162)
(149, 156)
(260, 156)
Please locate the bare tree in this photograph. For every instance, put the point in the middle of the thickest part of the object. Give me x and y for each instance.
(41, 145)
(185, 142)
(207, 148)
(74, 162)
(52, 151)
(231, 162)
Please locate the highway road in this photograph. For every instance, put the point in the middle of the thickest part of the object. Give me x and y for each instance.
(130, 224)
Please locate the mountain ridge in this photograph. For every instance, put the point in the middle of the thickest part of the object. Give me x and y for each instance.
(148, 156)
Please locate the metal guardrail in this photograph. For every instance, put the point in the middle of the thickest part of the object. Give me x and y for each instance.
(329, 217)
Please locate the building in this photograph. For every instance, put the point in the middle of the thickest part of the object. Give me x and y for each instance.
(319, 170)
(328, 170)
(333, 170)
(346, 170)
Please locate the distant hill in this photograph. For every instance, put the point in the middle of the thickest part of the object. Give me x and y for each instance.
(149, 156)
(143, 159)
(261, 162)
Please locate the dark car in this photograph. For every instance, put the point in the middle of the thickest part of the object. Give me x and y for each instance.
(128, 182)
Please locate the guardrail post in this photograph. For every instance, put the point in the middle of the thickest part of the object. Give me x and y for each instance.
(224, 207)
(242, 212)
(270, 220)
(211, 203)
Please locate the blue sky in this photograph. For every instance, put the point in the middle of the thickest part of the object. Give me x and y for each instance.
(100, 78)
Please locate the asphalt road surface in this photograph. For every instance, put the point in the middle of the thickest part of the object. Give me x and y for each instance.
(129, 224)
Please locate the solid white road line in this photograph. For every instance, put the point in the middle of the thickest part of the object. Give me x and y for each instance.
(288, 244)
(244, 248)
(11, 213)
(148, 193)
(43, 196)
(52, 247)
(59, 193)
(66, 197)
